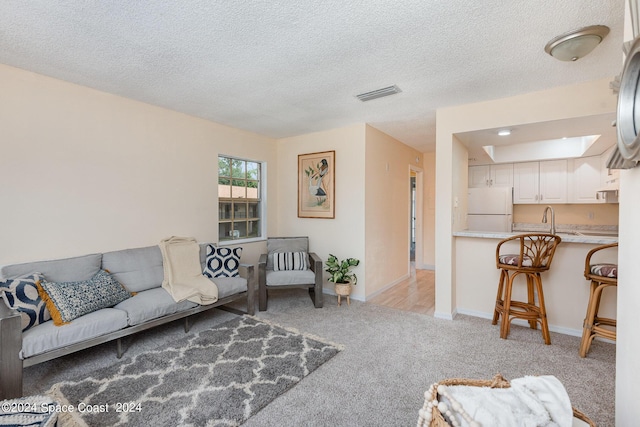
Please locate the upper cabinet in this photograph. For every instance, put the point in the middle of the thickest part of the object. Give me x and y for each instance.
(540, 182)
(500, 175)
(585, 179)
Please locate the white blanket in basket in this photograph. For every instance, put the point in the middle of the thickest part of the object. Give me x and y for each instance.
(529, 402)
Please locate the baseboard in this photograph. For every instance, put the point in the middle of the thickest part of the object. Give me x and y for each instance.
(521, 322)
(444, 315)
(326, 291)
(425, 267)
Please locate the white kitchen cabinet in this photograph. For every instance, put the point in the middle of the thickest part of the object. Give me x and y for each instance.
(540, 182)
(500, 175)
(585, 178)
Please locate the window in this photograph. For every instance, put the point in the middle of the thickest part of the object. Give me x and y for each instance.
(239, 199)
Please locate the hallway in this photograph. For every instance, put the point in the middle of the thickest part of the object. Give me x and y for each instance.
(417, 293)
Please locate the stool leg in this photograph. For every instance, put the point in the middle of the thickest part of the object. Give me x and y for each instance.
(506, 318)
(531, 299)
(585, 343)
(543, 311)
(499, 297)
(588, 333)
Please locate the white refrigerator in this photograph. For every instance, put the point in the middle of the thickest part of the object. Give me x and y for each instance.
(490, 209)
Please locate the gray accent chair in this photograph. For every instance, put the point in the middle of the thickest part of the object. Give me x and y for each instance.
(268, 279)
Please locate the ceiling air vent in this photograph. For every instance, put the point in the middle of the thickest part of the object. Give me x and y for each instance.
(378, 93)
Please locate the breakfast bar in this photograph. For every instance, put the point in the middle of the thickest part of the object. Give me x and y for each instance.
(565, 288)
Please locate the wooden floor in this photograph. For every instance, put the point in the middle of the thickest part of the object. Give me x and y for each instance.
(417, 293)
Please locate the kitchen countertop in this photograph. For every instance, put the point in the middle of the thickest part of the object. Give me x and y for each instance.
(593, 237)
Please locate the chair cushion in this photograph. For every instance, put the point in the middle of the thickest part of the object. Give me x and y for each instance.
(514, 259)
(604, 270)
(21, 294)
(285, 244)
(151, 304)
(48, 336)
(69, 300)
(290, 261)
(294, 277)
(222, 262)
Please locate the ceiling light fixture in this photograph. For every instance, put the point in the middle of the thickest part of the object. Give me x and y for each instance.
(575, 44)
(504, 132)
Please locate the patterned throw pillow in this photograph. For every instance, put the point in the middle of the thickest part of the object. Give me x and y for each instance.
(69, 300)
(290, 261)
(21, 294)
(222, 262)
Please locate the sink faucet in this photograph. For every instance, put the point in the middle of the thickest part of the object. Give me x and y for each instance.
(553, 218)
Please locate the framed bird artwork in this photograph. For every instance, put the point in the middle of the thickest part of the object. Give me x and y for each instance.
(316, 185)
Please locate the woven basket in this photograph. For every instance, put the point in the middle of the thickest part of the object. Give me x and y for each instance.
(498, 381)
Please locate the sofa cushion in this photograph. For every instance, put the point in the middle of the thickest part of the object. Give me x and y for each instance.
(69, 300)
(222, 262)
(283, 261)
(59, 270)
(295, 277)
(228, 286)
(48, 336)
(151, 304)
(137, 269)
(21, 294)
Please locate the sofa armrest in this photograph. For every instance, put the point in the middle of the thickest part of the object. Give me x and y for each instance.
(10, 346)
(262, 262)
(248, 272)
(315, 263)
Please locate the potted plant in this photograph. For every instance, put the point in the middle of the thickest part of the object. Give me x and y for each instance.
(340, 273)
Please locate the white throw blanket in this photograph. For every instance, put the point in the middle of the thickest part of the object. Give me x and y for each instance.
(183, 277)
(529, 402)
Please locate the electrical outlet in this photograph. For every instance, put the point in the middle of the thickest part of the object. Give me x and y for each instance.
(591, 215)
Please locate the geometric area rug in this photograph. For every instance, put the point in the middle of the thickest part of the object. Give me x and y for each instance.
(217, 377)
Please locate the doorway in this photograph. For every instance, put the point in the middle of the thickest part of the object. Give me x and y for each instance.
(416, 190)
(412, 219)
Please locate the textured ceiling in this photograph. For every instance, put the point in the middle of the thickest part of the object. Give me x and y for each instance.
(288, 67)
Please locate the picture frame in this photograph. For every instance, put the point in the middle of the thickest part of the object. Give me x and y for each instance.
(316, 185)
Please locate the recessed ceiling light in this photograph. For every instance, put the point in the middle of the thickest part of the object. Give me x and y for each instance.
(504, 132)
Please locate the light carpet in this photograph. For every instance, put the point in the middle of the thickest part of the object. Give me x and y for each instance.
(219, 376)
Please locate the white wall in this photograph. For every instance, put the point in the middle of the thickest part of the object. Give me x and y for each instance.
(387, 169)
(344, 235)
(429, 212)
(84, 171)
(628, 338)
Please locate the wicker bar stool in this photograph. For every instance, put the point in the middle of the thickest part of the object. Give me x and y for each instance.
(535, 256)
(602, 276)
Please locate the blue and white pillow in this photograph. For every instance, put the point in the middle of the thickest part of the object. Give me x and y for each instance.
(222, 262)
(21, 294)
(290, 261)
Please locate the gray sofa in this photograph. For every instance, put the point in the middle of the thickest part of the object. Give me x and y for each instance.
(140, 271)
